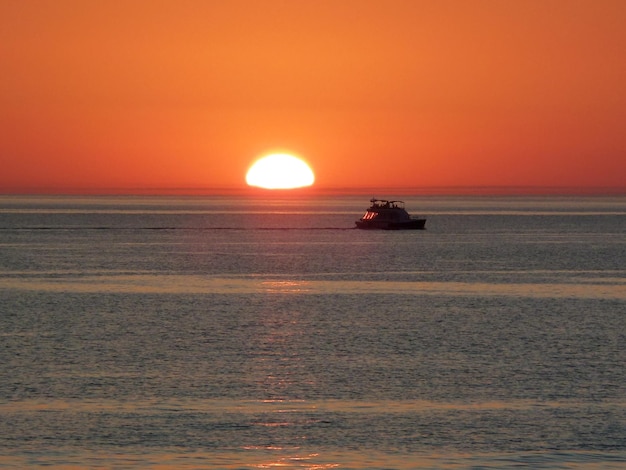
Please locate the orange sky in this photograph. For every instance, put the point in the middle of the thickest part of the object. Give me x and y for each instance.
(127, 95)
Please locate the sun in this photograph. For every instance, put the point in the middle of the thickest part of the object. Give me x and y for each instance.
(280, 171)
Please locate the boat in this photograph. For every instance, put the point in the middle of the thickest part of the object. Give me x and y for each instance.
(389, 215)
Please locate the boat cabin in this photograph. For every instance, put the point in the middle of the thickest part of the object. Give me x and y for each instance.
(381, 209)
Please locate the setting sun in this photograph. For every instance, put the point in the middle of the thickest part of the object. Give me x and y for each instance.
(280, 171)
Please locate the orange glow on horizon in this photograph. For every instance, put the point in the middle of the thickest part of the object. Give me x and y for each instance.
(170, 96)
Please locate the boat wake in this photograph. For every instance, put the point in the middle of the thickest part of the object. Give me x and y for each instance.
(191, 229)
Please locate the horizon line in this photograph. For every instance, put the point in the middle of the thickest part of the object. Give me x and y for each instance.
(488, 190)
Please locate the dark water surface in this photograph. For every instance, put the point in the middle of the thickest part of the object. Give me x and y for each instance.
(233, 333)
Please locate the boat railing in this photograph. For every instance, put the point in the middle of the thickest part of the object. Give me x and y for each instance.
(385, 204)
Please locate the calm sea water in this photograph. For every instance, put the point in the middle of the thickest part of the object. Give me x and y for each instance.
(241, 334)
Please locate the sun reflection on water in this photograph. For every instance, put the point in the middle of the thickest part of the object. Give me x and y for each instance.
(284, 287)
(561, 287)
(297, 461)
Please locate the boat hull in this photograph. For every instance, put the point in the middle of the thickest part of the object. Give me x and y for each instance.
(413, 224)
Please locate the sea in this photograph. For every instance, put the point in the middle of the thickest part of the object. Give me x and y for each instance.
(266, 332)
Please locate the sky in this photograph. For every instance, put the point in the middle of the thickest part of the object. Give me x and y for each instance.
(150, 95)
